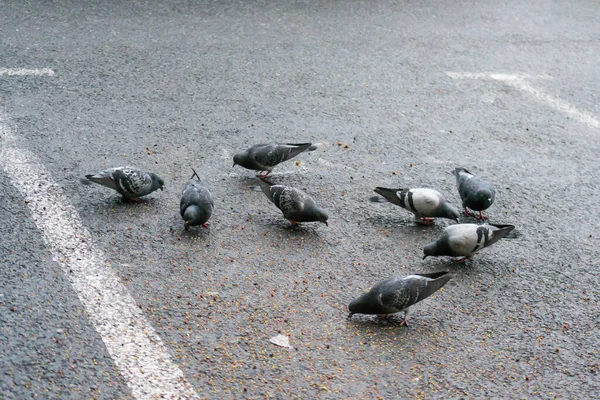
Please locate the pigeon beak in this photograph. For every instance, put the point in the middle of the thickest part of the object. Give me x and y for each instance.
(350, 315)
(162, 188)
(424, 257)
(325, 222)
(234, 164)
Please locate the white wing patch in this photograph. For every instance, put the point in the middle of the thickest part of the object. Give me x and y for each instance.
(463, 238)
(426, 201)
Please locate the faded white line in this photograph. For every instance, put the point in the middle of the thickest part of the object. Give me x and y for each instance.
(226, 155)
(26, 72)
(518, 82)
(131, 341)
(488, 75)
(553, 101)
(329, 164)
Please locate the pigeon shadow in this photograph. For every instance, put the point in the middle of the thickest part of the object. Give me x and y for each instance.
(387, 328)
(121, 203)
(375, 320)
(406, 222)
(194, 232)
(450, 264)
(306, 229)
(389, 222)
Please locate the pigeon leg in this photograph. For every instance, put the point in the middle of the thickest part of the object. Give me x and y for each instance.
(423, 220)
(464, 259)
(481, 216)
(206, 224)
(186, 226)
(264, 175)
(404, 321)
(467, 212)
(294, 223)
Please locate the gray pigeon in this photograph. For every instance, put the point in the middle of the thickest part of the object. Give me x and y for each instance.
(196, 205)
(263, 157)
(130, 182)
(296, 205)
(475, 193)
(398, 294)
(463, 240)
(424, 203)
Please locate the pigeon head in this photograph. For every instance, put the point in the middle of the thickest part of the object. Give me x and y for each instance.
(430, 250)
(194, 215)
(322, 216)
(315, 214)
(365, 304)
(239, 159)
(157, 182)
(484, 198)
(450, 212)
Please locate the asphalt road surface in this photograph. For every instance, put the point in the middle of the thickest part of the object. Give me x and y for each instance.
(397, 94)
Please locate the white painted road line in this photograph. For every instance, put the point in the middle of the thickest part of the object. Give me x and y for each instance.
(131, 341)
(26, 72)
(488, 75)
(519, 82)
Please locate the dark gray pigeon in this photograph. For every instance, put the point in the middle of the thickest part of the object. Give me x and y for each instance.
(426, 204)
(296, 205)
(398, 294)
(476, 194)
(463, 240)
(196, 205)
(130, 182)
(263, 157)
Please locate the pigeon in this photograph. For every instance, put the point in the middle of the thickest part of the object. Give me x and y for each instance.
(196, 203)
(424, 203)
(475, 193)
(398, 294)
(263, 157)
(130, 182)
(465, 239)
(296, 205)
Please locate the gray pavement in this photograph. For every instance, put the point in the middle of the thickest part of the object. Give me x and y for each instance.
(170, 85)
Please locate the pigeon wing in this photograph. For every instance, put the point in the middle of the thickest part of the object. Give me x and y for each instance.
(132, 182)
(196, 193)
(492, 233)
(395, 295)
(407, 291)
(272, 154)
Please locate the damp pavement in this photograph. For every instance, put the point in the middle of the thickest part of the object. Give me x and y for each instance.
(167, 86)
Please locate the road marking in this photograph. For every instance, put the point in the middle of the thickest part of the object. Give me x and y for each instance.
(131, 341)
(488, 75)
(519, 82)
(26, 72)
(226, 155)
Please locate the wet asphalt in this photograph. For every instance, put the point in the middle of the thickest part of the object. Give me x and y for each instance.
(166, 86)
